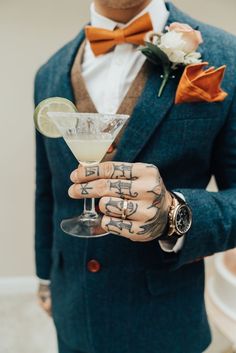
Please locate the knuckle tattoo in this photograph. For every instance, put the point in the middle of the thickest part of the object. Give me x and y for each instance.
(116, 206)
(123, 188)
(123, 170)
(132, 208)
(92, 171)
(85, 189)
(118, 226)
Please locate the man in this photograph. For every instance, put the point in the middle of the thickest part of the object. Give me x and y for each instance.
(137, 289)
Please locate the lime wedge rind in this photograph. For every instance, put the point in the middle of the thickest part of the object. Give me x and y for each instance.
(42, 121)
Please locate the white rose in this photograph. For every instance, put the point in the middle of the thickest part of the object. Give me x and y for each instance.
(191, 37)
(172, 40)
(172, 45)
(192, 58)
(177, 57)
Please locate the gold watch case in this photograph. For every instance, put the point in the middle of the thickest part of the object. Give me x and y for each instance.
(176, 209)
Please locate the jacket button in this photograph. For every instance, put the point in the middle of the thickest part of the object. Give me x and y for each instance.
(111, 148)
(93, 266)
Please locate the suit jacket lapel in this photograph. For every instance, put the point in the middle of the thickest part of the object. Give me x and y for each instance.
(147, 115)
(150, 110)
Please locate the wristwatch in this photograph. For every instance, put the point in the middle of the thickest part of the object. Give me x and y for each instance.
(179, 219)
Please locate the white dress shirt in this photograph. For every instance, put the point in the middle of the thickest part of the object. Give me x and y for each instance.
(108, 77)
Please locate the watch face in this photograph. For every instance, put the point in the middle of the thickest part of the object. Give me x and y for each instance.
(183, 219)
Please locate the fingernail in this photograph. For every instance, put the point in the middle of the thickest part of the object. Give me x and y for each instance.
(70, 191)
(74, 175)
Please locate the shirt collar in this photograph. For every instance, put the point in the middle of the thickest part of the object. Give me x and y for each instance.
(156, 9)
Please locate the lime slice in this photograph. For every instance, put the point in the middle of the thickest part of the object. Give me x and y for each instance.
(55, 104)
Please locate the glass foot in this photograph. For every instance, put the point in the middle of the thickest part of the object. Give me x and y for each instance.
(84, 227)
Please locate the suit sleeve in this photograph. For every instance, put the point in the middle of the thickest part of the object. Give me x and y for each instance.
(43, 208)
(214, 213)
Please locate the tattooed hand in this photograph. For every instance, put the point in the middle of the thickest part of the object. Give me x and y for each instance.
(141, 184)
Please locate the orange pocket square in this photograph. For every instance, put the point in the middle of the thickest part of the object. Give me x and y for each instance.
(199, 85)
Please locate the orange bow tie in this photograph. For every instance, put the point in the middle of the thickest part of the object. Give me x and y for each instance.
(103, 40)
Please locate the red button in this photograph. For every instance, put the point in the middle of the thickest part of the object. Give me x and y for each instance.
(111, 148)
(93, 266)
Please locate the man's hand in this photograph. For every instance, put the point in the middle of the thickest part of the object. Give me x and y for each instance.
(44, 298)
(141, 184)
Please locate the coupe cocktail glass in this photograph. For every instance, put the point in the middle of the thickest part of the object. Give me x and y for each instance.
(89, 136)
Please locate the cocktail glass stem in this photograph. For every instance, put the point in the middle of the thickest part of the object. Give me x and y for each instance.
(89, 209)
(87, 225)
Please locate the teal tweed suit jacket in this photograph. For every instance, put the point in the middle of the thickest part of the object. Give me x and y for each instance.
(141, 300)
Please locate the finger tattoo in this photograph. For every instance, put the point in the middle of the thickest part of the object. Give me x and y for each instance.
(131, 208)
(122, 171)
(159, 192)
(93, 170)
(154, 227)
(116, 206)
(118, 226)
(123, 188)
(85, 189)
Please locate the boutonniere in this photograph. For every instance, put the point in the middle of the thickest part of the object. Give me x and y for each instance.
(176, 48)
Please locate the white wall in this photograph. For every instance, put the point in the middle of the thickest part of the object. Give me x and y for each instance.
(30, 31)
